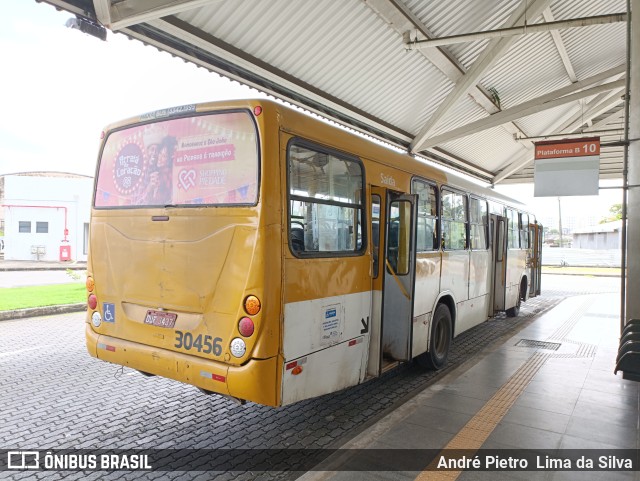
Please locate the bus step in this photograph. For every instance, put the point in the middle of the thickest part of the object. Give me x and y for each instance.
(388, 364)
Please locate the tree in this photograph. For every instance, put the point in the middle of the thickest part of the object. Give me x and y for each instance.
(616, 214)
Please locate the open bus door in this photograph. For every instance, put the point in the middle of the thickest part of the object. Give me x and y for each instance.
(393, 247)
(536, 259)
(498, 229)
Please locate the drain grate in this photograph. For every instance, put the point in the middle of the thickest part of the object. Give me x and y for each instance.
(551, 346)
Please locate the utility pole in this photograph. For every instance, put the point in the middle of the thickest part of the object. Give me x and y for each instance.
(560, 221)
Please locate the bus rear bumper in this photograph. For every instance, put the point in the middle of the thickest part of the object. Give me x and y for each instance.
(255, 381)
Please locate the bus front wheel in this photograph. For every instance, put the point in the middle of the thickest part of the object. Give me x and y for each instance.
(439, 341)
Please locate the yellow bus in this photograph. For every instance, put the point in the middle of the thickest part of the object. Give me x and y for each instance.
(258, 253)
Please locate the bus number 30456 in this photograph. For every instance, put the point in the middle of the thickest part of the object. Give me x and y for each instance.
(208, 345)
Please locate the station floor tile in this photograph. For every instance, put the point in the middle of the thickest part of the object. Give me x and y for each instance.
(570, 398)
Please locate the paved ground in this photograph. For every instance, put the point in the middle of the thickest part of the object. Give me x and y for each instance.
(53, 395)
(548, 391)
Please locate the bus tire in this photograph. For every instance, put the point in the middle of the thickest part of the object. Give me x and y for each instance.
(439, 341)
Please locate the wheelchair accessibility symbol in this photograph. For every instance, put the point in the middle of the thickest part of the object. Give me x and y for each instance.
(108, 312)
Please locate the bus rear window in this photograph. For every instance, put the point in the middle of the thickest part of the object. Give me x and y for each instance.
(200, 160)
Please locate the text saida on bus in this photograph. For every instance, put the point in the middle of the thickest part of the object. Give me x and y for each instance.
(261, 254)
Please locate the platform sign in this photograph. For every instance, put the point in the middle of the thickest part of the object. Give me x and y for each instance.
(567, 167)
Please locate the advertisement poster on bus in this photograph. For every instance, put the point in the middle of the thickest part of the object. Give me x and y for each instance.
(200, 160)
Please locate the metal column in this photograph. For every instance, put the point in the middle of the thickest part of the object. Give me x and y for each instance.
(633, 208)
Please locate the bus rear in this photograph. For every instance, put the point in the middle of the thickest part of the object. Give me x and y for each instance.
(179, 248)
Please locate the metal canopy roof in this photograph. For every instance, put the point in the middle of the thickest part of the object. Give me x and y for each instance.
(476, 104)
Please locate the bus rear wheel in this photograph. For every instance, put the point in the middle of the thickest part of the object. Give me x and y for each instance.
(439, 341)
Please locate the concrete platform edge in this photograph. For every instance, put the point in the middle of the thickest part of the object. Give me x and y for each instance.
(41, 311)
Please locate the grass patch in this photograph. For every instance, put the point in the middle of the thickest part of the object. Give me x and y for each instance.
(39, 296)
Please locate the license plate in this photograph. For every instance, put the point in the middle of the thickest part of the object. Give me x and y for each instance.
(161, 318)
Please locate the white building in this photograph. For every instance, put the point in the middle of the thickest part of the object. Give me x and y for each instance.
(46, 216)
(600, 236)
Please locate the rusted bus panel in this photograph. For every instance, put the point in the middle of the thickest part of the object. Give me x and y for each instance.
(471, 313)
(479, 273)
(208, 375)
(428, 267)
(176, 273)
(325, 371)
(258, 380)
(420, 334)
(455, 274)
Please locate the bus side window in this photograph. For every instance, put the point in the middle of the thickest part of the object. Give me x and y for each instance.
(454, 220)
(325, 195)
(426, 231)
(477, 224)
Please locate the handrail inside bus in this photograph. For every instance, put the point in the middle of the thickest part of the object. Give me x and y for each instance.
(393, 273)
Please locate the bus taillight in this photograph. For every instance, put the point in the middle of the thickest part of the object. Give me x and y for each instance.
(246, 327)
(252, 305)
(92, 301)
(90, 284)
(238, 347)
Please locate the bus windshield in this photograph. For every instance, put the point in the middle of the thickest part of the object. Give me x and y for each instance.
(201, 160)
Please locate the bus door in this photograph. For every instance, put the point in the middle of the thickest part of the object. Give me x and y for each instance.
(536, 259)
(394, 228)
(498, 226)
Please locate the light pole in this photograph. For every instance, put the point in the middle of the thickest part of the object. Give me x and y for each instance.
(560, 221)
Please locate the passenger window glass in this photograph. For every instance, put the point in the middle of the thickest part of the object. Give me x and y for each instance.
(427, 232)
(398, 237)
(478, 224)
(524, 231)
(513, 241)
(454, 220)
(326, 208)
(375, 232)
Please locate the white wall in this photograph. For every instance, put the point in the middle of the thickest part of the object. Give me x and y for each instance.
(45, 199)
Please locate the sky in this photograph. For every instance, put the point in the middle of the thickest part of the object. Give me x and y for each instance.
(61, 87)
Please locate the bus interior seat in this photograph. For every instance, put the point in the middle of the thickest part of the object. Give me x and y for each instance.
(430, 234)
(344, 240)
(297, 239)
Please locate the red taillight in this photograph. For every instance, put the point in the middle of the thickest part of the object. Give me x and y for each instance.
(257, 110)
(246, 327)
(92, 301)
